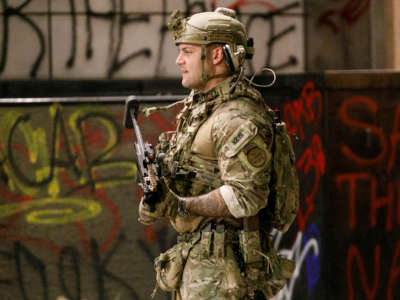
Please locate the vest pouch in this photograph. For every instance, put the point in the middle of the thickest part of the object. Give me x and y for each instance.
(169, 268)
(170, 264)
(272, 276)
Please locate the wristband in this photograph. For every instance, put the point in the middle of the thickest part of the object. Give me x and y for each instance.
(182, 211)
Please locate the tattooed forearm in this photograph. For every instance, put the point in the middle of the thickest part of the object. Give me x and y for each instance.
(208, 205)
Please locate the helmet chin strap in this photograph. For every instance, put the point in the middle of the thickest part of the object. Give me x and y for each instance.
(204, 76)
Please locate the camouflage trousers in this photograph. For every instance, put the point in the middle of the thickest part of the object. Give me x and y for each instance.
(210, 277)
(212, 271)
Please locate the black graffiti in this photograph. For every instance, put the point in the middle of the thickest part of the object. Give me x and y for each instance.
(119, 20)
(66, 275)
(29, 265)
(124, 20)
(7, 256)
(8, 12)
(71, 59)
(66, 159)
(13, 160)
(274, 37)
(22, 253)
(100, 266)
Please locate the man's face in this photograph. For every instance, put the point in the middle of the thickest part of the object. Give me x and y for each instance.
(189, 61)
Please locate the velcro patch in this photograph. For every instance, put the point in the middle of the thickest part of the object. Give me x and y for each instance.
(256, 157)
(240, 138)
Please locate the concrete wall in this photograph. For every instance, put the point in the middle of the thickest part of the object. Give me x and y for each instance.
(128, 39)
(344, 35)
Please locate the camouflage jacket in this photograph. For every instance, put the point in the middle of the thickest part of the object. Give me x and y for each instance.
(222, 141)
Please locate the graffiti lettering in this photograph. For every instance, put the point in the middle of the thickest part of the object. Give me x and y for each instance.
(54, 216)
(8, 12)
(312, 157)
(394, 271)
(121, 22)
(69, 273)
(354, 254)
(370, 288)
(274, 37)
(65, 184)
(352, 180)
(370, 105)
(298, 115)
(307, 110)
(36, 264)
(78, 158)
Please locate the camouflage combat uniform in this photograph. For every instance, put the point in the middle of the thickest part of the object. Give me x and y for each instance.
(222, 141)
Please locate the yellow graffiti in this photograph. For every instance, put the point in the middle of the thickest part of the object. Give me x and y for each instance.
(34, 159)
(131, 170)
(33, 139)
(78, 135)
(55, 213)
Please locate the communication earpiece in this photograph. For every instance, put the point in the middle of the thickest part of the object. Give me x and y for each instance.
(234, 59)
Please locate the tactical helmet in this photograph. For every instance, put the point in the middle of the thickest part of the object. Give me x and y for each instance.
(220, 26)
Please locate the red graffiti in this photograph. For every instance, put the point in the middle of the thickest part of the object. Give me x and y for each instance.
(353, 180)
(307, 110)
(354, 9)
(100, 195)
(371, 286)
(304, 112)
(312, 157)
(394, 272)
(394, 137)
(240, 3)
(93, 135)
(326, 19)
(353, 254)
(350, 13)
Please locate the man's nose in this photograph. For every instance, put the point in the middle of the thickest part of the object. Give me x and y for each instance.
(179, 60)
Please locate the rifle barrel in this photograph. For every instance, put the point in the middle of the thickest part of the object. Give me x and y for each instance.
(137, 131)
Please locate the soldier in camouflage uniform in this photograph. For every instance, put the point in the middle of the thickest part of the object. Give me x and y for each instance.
(216, 166)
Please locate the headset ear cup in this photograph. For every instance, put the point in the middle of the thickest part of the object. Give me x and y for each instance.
(228, 57)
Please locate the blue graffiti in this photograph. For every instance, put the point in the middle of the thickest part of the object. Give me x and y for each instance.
(313, 266)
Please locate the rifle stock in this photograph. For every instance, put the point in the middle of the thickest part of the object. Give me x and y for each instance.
(147, 166)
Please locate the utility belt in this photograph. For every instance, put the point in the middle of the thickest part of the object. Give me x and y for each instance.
(213, 238)
(247, 243)
(264, 270)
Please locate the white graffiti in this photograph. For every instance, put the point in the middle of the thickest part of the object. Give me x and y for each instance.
(298, 252)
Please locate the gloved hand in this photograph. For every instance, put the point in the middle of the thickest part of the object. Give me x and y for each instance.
(166, 204)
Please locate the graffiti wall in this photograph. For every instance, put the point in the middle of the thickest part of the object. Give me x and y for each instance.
(68, 194)
(69, 198)
(301, 102)
(363, 211)
(68, 209)
(129, 39)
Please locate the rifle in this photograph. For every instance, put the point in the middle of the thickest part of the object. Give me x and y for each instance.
(147, 165)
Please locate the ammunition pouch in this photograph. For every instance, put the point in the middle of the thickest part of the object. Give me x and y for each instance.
(170, 264)
(266, 271)
(169, 268)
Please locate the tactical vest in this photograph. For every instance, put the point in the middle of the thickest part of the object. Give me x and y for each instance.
(187, 173)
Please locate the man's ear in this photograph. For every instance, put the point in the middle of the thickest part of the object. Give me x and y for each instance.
(218, 55)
